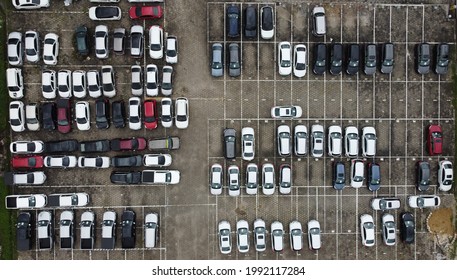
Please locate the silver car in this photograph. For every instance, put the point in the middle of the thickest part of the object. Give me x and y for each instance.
(217, 65)
(235, 65)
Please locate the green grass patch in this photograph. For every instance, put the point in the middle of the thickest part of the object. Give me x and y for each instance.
(4, 96)
(453, 253)
(7, 220)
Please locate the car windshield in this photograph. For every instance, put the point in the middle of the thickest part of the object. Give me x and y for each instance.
(65, 222)
(296, 232)
(156, 47)
(81, 120)
(277, 232)
(107, 223)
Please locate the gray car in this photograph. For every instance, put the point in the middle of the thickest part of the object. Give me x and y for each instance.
(442, 59)
(370, 59)
(229, 143)
(423, 58)
(234, 66)
(387, 63)
(217, 64)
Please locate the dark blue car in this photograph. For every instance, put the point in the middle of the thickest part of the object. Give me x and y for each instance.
(338, 176)
(233, 18)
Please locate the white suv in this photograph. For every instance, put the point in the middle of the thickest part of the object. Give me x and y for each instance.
(335, 137)
(156, 42)
(151, 225)
(247, 143)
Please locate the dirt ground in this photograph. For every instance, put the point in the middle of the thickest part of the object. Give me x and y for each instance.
(441, 224)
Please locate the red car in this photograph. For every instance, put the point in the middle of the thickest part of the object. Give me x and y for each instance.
(150, 114)
(128, 144)
(27, 162)
(145, 12)
(63, 115)
(435, 140)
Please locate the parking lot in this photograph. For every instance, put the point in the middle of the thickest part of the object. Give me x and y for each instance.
(400, 106)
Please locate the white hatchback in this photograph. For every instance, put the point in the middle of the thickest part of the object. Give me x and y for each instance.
(286, 112)
(388, 229)
(156, 42)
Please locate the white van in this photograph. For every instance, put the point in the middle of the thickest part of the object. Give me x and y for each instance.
(151, 227)
(14, 83)
(319, 27)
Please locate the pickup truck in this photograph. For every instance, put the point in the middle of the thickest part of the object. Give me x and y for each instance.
(25, 201)
(87, 230)
(68, 199)
(66, 230)
(45, 230)
(160, 177)
(29, 178)
(168, 143)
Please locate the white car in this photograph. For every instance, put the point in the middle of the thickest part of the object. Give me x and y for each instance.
(17, 116)
(45, 231)
(260, 235)
(152, 80)
(87, 231)
(367, 230)
(161, 177)
(79, 83)
(300, 140)
(134, 113)
(93, 162)
(29, 178)
(296, 236)
(284, 140)
(167, 80)
(286, 112)
(233, 177)
(151, 229)
(247, 143)
(424, 201)
(445, 175)
(137, 84)
(268, 179)
(357, 173)
(51, 49)
(216, 175)
(388, 229)
(285, 178)
(94, 85)
(314, 235)
(182, 113)
(27, 201)
(242, 236)
(171, 52)
(157, 160)
(101, 42)
(252, 182)
(109, 230)
(68, 199)
(267, 24)
(351, 141)
(32, 117)
(136, 40)
(29, 5)
(66, 232)
(284, 58)
(225, 241)
(64, 83)
(369, 141)
(385, 203)
(109, 88)
(156, 42)
(15, 48)
(82, 113)
(277, 235)
(335, 141)
(27, 147)
(300, 60)
(15, 83)
(32, 46)
(317, 140)
(60, 161)
(105, 13)
(48, 84)
(166, 118)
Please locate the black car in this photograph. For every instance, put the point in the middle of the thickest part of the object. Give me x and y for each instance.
(233, 18)
(128, 229)
(387, 58)
(102, 113)
(82, 40)
(229, 143)
(374, 176)
(126, 178)
(127, 161)
(320, 57)
(49, 115)
(61, 146)
(353, 59)
(423, 58)
(24, 231)
(118, 111)
(250, 22)
(422, 175)
(94, 146)
(442, 59)
(336, 59)
(370, 59)
(407, 228)
(339, 177)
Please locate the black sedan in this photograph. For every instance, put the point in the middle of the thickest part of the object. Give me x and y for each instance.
(126, 161)
(320, 58)
(128, 229)
(82, 40)
(24, 231)
(94, 146)
(126, 178)
(118, 110)
(407, 228)
(61, 146)
(49, 115)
